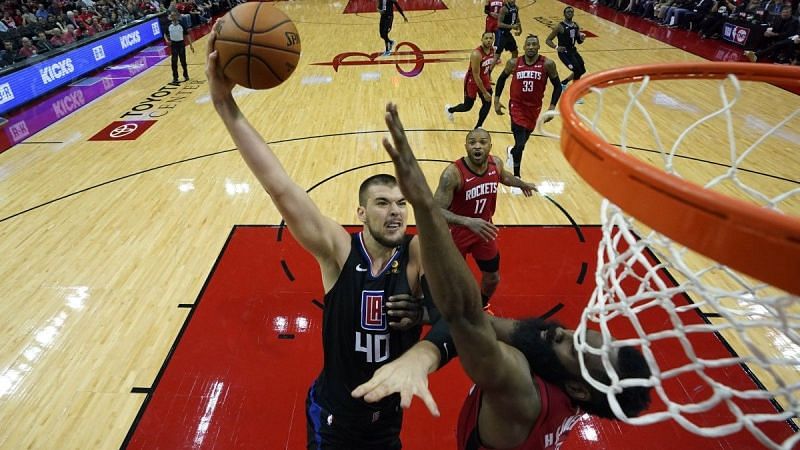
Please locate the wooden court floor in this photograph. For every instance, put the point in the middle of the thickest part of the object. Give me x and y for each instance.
(102, 240)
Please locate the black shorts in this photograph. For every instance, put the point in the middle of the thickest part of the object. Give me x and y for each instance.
(506, 42)
(368, 430)
(573, 60)
(385, 25)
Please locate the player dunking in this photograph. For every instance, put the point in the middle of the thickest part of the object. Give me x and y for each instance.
(508, 21)
(529, 73)
(528, 389)
(569, 34)
(467, 194)
(363, 275)
(477, 80)
(386, 8)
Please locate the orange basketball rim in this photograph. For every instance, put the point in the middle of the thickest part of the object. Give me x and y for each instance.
(759, 242)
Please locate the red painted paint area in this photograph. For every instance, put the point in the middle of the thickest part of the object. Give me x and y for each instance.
(236, 380)
(369, 6)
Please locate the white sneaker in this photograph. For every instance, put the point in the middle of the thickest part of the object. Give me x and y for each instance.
(391, 45)
(509, 158)
(516, 191)
(450, 116)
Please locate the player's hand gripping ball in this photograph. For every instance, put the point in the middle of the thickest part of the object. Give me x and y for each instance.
(257, 45)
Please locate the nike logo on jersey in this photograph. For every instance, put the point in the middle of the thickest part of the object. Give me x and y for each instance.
(360, 269)
(470, 179)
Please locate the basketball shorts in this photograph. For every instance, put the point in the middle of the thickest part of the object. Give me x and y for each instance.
(385, 25)
(572, 59)
(470, 243)
(523, 115)
(491, 26)
(471, 89)
(505, 41)
(370, 430)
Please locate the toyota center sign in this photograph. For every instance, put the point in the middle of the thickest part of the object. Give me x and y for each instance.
(123, 130)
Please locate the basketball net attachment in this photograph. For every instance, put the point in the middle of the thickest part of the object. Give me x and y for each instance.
(697, 266)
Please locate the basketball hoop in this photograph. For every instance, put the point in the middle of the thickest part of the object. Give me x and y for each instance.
(703, 263)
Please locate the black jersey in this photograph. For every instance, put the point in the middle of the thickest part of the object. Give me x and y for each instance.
(511, 17)
(356, 338)
(386, 7)
(569, 35)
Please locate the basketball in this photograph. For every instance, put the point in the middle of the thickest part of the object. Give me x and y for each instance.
(258, 46)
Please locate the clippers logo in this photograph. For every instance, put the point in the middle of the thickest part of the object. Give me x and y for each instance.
(372, 315)
(416, 57)
(156, 29)
(130, 39)
(6, 94)
(123, 131)
(56, 71)
(98, 53)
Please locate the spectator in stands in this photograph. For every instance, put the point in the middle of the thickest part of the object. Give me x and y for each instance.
(9, 54)
(700, 10)
(675, 12)
(57, 39)
(711, 25)
(27, 16)
(71, 20)
(8, 20)
(185, 9)
(42, 43)
(105, 24)
(41, 12)
(27, 50)
(72, 34)
(781, 37)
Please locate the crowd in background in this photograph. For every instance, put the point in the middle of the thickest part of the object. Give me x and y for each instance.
(780, 41)
(30, 28)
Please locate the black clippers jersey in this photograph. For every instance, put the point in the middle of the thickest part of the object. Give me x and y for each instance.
(511, 17)
(356, 337)
(569, 36)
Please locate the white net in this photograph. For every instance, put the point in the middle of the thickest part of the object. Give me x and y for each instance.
(723, 348)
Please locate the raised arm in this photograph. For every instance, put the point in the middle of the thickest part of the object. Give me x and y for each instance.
(490, 364)
(321, 236)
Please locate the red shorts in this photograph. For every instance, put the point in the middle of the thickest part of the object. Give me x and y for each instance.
(524, 115)
(469, 242)
(491, 24)
(471, 89)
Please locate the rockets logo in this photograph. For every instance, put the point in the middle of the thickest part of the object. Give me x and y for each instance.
(401, 59)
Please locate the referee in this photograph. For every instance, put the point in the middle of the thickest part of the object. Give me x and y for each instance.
(176, 34)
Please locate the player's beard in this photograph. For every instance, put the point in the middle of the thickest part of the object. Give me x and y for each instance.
(527, 338)
(383, 240)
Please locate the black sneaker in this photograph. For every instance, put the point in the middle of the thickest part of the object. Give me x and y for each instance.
(186, 78)
(175, 82)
